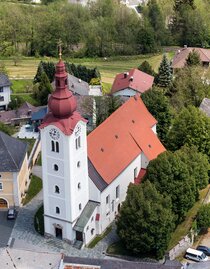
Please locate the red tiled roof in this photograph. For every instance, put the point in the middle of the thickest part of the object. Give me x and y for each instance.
(114, 144)
(140, 176)
(136, 80)
(181, 55)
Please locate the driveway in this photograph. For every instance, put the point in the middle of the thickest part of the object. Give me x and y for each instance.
(6, 227)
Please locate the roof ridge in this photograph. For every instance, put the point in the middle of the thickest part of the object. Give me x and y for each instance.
(202, 50)
(9, 150)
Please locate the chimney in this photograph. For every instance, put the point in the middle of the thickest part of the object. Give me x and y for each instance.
(131, 78)
(79, 80)
(126, 74)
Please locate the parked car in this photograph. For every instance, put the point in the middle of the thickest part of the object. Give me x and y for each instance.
(205, 250)
(11, 213)
(195, 255)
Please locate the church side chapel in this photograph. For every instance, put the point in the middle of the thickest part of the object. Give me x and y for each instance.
(85, 178)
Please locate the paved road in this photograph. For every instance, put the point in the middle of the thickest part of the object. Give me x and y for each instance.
(6, 227)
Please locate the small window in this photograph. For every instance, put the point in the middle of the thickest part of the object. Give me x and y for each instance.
(92, 219)
(55, 167)
(78, 142)
(112, 205)
(79, 186)
(1, 89)
(135, 172)
(1, 98)
(78, 164)
(66, 81)
(57, 190)
(107, 199)
(1, 186)
(80, 206)
(57, 210)
(52, 145)
(87, 228)
(57, 146)
(117, 191)
(92, 231)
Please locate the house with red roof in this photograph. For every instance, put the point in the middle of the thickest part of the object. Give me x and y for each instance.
(85, 178)
(179, 60)
(131, 83)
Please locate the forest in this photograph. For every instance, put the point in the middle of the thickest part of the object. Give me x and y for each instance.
(102, 28)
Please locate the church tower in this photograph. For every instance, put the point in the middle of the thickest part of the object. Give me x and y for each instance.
(64, 161)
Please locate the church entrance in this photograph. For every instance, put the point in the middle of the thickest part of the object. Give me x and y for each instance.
(3, 204)
(79, 236)
(58, 232)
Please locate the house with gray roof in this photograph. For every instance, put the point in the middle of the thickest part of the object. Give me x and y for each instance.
(4, 91)
(14, 174)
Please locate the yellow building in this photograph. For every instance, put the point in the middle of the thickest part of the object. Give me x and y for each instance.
(14, 172)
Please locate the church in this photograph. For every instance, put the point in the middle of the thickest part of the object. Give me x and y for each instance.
(85, 178)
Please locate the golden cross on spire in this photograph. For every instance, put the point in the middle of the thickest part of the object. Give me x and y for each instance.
(60, 48)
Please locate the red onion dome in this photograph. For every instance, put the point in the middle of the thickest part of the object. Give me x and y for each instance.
(61, 102)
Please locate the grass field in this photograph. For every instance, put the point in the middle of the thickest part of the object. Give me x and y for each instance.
(108, 67)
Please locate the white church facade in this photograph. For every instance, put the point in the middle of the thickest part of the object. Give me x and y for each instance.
(85, 178)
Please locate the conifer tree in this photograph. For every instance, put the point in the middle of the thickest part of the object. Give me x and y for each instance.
(42, 91)
(193, 58)
(164, 77)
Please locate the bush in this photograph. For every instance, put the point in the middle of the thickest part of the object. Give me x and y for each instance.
(203, 217)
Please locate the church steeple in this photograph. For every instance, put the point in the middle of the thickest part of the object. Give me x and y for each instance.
(61, 102)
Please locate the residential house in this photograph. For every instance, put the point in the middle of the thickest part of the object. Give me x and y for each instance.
(14, 175)
(179, 60)
(205, 106)
(131, 83)
(18, 116)
(85, 178)
(4, 91)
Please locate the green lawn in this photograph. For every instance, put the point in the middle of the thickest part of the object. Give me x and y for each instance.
(27, 68)
(26, 97)
(99, 237)
(22, 85)
(184, 227)
(34, 188)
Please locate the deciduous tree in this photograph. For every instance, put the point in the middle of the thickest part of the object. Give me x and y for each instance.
(146, 220)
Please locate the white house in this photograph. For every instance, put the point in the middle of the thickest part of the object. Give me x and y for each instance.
(131, 83)
(4, 91)
(85, 179)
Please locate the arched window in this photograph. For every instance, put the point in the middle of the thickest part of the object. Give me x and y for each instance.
(79, 186)
(55, 167)
(80, 206)
(92, 231)
(52, 145)
(57, 146)
(57, 210)
(57, 190)
(78, 164)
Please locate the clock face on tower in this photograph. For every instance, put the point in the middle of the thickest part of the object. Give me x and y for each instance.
(77, 130)
(54, 134)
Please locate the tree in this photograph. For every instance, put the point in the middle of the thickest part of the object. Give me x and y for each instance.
(42, 91)
(193, 58)
(188, 88)
(146, 220)
(159, 106)
(203, 217)
(146, 39)
(39, 72)
(191, 126)
(147, 68)
(198, 165)
(171, 177)
(164, 76)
